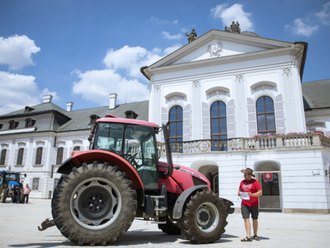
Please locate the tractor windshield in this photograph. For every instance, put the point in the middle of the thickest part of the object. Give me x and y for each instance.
(11, 177)
(136, 144)
(1, 178)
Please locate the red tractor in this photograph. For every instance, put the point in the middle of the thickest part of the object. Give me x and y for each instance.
(102, 190)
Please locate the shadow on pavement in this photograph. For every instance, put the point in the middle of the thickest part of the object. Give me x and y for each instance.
(136, 237)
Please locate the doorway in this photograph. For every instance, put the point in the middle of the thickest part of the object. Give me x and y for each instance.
(269, 176)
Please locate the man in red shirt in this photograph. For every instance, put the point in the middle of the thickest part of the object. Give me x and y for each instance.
(250, 203)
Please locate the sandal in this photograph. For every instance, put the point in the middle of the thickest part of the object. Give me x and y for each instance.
(246, 239)
(255, 237)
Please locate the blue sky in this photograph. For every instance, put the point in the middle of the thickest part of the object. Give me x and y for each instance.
(82, 50)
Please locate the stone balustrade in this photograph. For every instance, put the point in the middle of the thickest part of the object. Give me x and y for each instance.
(292, 141)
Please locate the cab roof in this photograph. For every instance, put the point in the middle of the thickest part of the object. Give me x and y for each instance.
(115, 119)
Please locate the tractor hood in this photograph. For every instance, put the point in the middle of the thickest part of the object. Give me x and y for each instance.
(185, 176)
(12, 184)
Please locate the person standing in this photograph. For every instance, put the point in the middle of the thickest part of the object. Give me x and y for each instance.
(250, 203)
(15, 194)
(26, 192)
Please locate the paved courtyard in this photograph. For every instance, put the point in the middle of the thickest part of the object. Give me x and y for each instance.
(18, 225)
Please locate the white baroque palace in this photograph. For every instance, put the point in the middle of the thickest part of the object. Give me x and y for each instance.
(232, 100)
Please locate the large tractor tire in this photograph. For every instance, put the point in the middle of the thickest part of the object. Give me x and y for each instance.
(95, 204)
(204, 218)
(170, 227)
(4, 195)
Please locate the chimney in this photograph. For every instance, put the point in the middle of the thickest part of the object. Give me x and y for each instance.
(113, 98)
(69, 106)
(47, 98)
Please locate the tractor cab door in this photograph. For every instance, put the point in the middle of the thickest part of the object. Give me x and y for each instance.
(140, 147)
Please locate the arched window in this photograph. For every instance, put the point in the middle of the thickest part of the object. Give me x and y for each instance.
(59, 158)
(176, 128)
(265, 115)
(219, 126)
(20, 156)
(3, 157)
(39, 155)
(76, 148)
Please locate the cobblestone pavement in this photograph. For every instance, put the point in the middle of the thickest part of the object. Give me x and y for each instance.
(18, 225)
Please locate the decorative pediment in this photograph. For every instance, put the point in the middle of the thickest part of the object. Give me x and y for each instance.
(4, 145)
(175, 96)
(75, 141)
(316, 122)
(264, 85)
(40, 142)
(217, 88)
(63, 142)
(218, 45)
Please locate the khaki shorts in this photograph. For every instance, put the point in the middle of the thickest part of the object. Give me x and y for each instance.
(254, 210)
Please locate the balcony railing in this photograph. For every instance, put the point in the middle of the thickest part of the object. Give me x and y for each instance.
(292, 141)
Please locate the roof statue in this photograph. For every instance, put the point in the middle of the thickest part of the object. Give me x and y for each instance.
(192, 36)
(234, 28)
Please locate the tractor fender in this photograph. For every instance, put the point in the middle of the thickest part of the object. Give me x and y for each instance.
(180, 202)
(102, 156)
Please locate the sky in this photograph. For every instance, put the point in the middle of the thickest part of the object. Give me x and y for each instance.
(80, 51)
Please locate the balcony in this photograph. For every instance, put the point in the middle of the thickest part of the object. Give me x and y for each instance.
(276, 142)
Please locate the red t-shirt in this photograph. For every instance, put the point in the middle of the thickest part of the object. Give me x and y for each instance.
(250, 186)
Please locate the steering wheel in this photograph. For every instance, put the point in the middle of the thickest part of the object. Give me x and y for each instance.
(131, 159)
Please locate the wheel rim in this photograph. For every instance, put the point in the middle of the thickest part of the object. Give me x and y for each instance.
(207, 217)
(95, 203)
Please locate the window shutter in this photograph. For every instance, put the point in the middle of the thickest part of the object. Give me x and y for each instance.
(187, 123)
(15, 157)
(44, 154)
(205, 121)
(34, 158)
(231, 123)
(252, 120)
(24, 156)
(164, 120)
(53, 156)
(65, 154)
(279, 114)
(7, 156)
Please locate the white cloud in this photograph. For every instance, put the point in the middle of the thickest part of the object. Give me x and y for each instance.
(301, 28)
(167, 35)
(96, 85)
(16, 51)
(172, 49)
(131, 59)
(17, 91)
(233, 13)
(175, 22)
(324, 15)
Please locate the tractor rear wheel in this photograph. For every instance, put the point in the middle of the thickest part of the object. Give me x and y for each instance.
(94, 204)
(4, 195)
(204, 218)
(170, 227)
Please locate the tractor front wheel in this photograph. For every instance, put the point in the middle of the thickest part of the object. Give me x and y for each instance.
(95, 204)
(4, 195)
(204, 218)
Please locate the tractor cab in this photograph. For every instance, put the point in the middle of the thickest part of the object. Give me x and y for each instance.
(135, 143)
